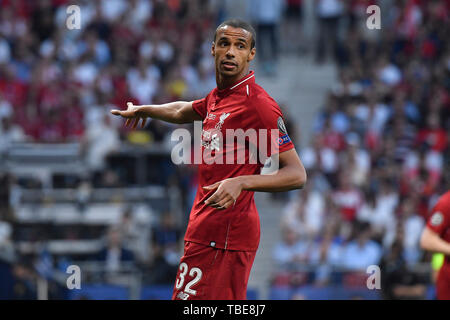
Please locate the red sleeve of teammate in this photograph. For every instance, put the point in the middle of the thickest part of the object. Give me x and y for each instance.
(439, 219)
(199, 106)
(272, 119)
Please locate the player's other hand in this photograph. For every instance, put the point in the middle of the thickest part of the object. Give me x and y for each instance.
(227, 192)
(132, 113)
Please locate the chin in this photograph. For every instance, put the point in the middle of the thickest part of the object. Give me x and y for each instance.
(229, 73)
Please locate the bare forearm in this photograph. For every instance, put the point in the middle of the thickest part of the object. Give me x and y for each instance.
(433, 242)
(169, 112)
(285, 179)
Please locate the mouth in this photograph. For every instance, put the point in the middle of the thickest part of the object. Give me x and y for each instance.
(229, 65)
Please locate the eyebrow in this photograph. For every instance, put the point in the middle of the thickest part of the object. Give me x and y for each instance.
(239, 39)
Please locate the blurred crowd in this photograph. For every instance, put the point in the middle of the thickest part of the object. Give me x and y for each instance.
(379, 157)
(58, 84)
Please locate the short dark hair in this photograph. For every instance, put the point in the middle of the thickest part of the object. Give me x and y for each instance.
(238, 23)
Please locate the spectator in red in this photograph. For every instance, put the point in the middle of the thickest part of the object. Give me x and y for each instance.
(348, 198)
(433, 135)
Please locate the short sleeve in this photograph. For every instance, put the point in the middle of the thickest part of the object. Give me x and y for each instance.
(439, 219)
(199, 106)
(277, 135)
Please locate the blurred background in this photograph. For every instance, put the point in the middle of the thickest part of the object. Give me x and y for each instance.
(368, 111)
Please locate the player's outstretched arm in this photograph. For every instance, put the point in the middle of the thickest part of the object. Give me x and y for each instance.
(431, 241)
(290, 176)
(174, 112)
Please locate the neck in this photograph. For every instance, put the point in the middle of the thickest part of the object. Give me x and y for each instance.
(225, 82)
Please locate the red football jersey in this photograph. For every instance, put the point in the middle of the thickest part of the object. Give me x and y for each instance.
(244, 105)
(439, 220)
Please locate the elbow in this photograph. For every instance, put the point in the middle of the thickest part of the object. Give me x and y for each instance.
(422, 243)
(300, 179)
(177, 118)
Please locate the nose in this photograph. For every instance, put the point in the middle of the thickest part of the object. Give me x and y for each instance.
(230, 52)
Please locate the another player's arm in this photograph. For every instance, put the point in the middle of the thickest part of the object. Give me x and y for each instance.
(290, 176)
(431, 241)
(174, 112)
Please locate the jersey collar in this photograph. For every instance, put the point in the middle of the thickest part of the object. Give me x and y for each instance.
(250, 78)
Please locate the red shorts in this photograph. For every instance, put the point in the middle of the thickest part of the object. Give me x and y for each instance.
(208, 273)
(443, 283)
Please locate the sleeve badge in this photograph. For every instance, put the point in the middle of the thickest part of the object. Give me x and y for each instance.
(436, 219)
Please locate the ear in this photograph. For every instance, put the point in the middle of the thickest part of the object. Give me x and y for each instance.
(252, 54)
(213, 49)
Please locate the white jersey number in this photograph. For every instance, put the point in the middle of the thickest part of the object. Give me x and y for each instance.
(194, 272)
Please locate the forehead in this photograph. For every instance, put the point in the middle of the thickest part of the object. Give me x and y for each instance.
(232, 32)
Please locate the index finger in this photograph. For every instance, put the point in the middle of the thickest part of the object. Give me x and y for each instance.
(212, 198)
(115, 112)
